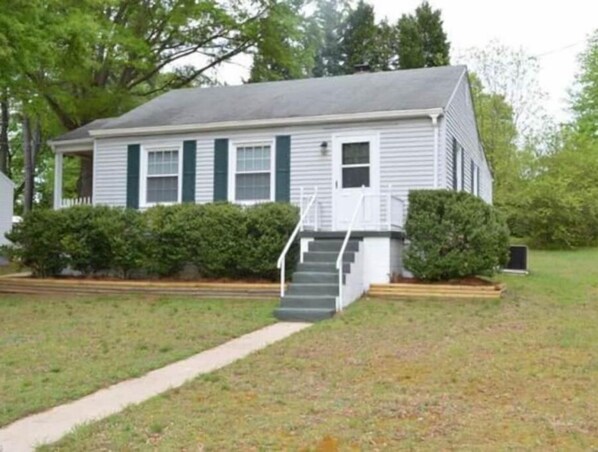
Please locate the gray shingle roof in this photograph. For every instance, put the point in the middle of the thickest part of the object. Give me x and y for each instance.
(83, 132)
(411, 89)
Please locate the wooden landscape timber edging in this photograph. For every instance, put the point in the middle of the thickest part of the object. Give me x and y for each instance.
(47, 286)
(412, 290)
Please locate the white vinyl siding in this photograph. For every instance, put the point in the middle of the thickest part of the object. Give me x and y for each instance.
(459, 123)
(406, 160)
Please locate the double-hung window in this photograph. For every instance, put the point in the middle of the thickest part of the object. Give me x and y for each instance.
(161, 180)
(253, 175)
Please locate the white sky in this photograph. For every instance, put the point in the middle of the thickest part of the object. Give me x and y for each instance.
(553, 30)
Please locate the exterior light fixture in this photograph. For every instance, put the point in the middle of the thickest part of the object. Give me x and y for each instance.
(324, 148)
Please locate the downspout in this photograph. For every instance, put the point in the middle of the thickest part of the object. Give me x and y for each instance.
(436, 143)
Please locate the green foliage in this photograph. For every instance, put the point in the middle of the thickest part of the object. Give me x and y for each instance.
(349, 36)
(359, 37)
(328, 20)
(560, 205)
(165, 252)
(84, 244)
(585, 100)
(37, 242)
(285, 47)
(268, 229)
(453, 235)
(222, 240)
(422, 40)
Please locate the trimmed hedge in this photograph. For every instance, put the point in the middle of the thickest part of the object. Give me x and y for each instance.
(453, 235)
(220, 240)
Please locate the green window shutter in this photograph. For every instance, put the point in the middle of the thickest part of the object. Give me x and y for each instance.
(221, 169)
(455, 152)
(189, 151)
(133, 152)
(283, 168)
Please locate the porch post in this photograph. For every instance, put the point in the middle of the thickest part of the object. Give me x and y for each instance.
(58, 180)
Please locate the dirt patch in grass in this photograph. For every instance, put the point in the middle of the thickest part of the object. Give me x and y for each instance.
(519, 373)
(55, 349)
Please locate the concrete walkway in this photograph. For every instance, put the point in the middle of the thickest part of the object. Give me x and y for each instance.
(47, 427)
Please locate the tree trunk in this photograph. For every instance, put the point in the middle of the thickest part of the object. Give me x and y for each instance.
(4, 123)
(85, 181)
(28, 160)
(32, 141)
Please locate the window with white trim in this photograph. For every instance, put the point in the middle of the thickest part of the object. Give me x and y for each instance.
(253, 173)
(356, 165)
(162, 176)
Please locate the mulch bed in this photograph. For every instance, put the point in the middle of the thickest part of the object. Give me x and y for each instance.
(469, 281)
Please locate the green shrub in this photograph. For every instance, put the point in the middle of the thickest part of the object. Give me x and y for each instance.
(222, 240)
(220, 245)
(166, 240)
(84, 244)
(453, 235)
(268, 229)
(123, 231)
(36, 242)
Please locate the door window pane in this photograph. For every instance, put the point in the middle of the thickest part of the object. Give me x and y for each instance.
(250, 187)
(356, 153)
(356, 177)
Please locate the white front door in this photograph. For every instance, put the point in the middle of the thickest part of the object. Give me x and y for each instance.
(356, 170)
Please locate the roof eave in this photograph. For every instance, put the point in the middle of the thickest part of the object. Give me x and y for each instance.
(76, 145)
(263, 123)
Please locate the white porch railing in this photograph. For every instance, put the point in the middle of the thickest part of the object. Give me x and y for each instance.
(300, 225)
(381, 211)
(70, 202)
(339, 260)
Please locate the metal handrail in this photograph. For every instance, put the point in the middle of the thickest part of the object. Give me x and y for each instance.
(339, 260)
(281, 260)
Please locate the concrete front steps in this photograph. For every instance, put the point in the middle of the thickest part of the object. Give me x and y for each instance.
(311, 295)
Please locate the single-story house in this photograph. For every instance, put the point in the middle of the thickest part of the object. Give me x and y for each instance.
(347, 150)
(6, 206)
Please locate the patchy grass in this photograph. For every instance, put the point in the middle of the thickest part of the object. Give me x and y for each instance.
(519, 373)
(59, 349)
(10, 268)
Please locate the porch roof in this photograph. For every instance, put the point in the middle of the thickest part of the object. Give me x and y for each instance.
(81, 134)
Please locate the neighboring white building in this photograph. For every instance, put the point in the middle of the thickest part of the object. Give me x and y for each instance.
(6, 206)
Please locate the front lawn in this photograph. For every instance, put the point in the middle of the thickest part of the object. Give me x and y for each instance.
(56, 349)
(519, 373)
(8, 269)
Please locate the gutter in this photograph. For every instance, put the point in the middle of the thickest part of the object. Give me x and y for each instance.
(265, 123)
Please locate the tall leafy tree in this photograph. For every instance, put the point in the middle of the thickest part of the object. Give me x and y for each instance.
(359, 37)
(422, 39)
(328, 20)
(87, 59)
(585, 98)
(285, 47)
